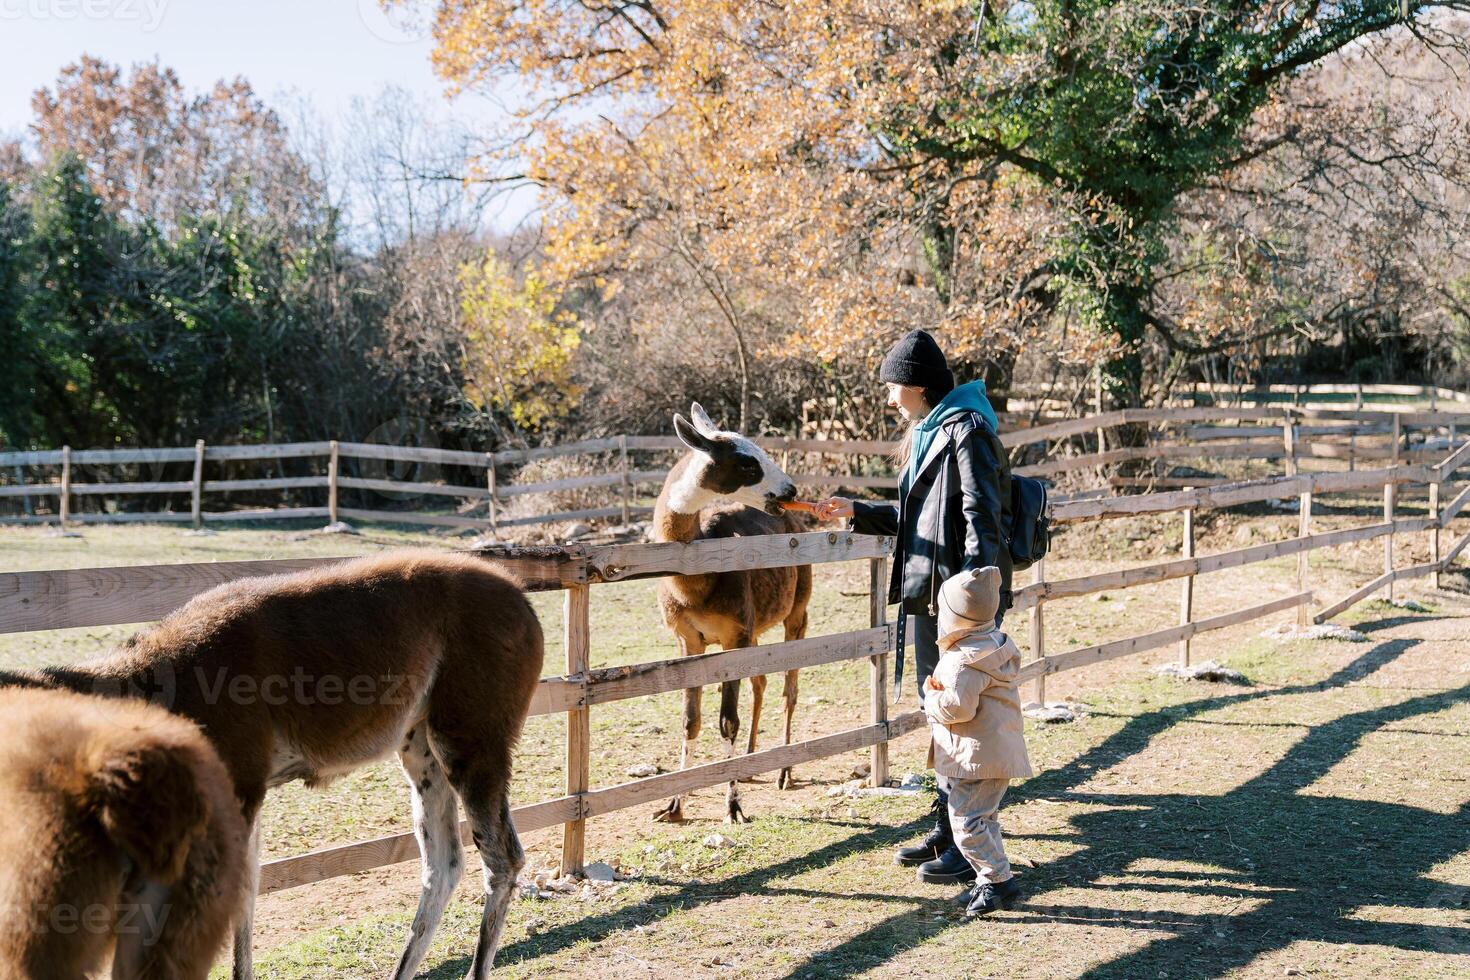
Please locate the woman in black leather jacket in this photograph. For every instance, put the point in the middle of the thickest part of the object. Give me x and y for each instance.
(952, 514)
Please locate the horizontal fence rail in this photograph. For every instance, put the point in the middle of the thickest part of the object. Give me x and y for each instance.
(1246, 433)
(44, 600)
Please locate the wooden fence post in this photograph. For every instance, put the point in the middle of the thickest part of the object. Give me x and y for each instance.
(494, 493)
(1388, 505)
(333, 466)
(623, 451)
(1102, 442)
(196, 493)
(1288, 440)
(1038, 631)
(1390, 498)
(65, 508)
(577, 630)
(1303, 530)
(1434, 492)
(878, 668)
(1186, 587)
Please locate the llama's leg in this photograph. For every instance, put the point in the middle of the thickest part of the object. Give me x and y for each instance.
(144, 910)
(243, 967)
(757, 699)
(729, 730)
(436, 825)
(488, 808)
(795, 629)
(690, 644)
(788, 693)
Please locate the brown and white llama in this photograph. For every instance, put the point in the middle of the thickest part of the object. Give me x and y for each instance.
(727, 487)
(122, 841)
(311, 675)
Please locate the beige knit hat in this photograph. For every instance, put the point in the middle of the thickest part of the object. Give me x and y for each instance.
(968, 602)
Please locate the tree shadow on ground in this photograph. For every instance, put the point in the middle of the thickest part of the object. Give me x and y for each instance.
(1309, 863)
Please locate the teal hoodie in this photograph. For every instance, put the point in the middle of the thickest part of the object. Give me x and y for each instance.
(965, 398)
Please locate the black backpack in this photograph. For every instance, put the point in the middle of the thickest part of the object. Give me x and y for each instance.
(1030, 527)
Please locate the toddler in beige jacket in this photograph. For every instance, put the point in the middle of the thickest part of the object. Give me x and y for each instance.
(974, 716)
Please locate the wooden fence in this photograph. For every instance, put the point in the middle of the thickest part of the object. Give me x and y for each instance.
(1069, 446)
(44, 600)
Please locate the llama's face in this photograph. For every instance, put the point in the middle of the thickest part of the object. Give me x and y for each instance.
(727, 465)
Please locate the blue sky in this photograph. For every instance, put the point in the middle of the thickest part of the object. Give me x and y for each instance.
(329, 50)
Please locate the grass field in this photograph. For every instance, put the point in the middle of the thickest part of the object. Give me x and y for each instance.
(1314, 821)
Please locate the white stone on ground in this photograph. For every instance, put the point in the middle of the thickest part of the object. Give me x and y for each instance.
(1287, 632)
(643, 769)
(1058, 712)
(338, 527)
(1207, 671)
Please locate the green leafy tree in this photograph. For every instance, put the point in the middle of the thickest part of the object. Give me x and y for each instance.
(1119, 109)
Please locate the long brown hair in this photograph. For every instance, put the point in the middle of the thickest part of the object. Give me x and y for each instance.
(905, 447)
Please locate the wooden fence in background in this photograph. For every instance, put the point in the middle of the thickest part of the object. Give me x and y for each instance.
(1282, 433)
(44, 600)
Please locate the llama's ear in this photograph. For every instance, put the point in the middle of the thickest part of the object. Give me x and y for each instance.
(702, 420)
(689, 435)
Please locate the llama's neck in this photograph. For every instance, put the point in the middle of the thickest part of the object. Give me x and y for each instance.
(676, 513)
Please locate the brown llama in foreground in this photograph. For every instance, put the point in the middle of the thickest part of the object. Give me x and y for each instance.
(311, 675)
(727, 487)
(121, 841)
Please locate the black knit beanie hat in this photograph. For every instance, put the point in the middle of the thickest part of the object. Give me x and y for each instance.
(916, 360)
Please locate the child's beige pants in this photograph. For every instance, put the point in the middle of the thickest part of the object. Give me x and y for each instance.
(973, 804)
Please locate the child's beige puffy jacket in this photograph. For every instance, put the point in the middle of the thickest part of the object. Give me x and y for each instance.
(976, 719)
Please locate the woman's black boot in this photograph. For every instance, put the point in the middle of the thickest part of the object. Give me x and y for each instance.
(935, 843)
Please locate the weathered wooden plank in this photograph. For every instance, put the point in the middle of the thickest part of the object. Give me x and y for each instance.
(568, 449)
(741, 767)
(1257, 449)
(126, 594)
(285, 450)
(839, 480)
(1454, 551)
(1124, 578)
(1453, 462)
(264, 514)
(143, 517)
(41, 457)
(841, 447)
(32, 490)
(1152, 641)
(346, 859)
(1232, 494)
(570, 515)
(273, 483)
(610, 684)
(405, 486)
(170, 455)
(404, 517)
(1387, 578)
(1454, 507)
(411, 454)
(69, 598)
(570, 483)
(615, 563)
(122, 489)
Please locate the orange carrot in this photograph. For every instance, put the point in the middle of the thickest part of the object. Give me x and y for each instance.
(801, 505)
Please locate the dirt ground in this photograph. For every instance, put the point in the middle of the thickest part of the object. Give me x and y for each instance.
(1310, 822)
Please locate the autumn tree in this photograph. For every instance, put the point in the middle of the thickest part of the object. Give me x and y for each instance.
(1034, 154)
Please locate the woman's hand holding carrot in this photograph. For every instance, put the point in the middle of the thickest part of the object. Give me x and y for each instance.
(834, 509)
